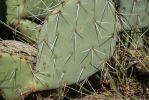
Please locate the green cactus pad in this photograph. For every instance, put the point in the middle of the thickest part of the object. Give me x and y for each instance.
(134, 13)
(16, 69)
(75, 42)
(29, 29)
(17, 9)
(15, 76)
(17, 13)
(39, 8)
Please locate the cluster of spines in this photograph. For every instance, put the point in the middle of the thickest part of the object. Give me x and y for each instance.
(59, 15)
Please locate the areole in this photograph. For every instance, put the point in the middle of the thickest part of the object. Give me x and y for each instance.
(73, 42)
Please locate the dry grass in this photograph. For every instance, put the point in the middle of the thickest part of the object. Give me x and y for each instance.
(124, 77)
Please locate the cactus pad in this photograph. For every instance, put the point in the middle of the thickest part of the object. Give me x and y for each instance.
(75, 41)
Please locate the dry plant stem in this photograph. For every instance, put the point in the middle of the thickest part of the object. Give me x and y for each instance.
(20, 49)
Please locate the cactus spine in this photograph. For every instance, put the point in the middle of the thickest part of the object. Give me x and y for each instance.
(77, 37)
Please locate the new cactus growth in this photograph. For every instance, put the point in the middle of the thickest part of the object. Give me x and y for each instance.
(75, 40)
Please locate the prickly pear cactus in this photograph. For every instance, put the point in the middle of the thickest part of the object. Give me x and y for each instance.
(76, 38)
(18, 13)
(30, 29)
(75, 41)
(16, 64)
(17, 9)
(133, 14)
(15, 76)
